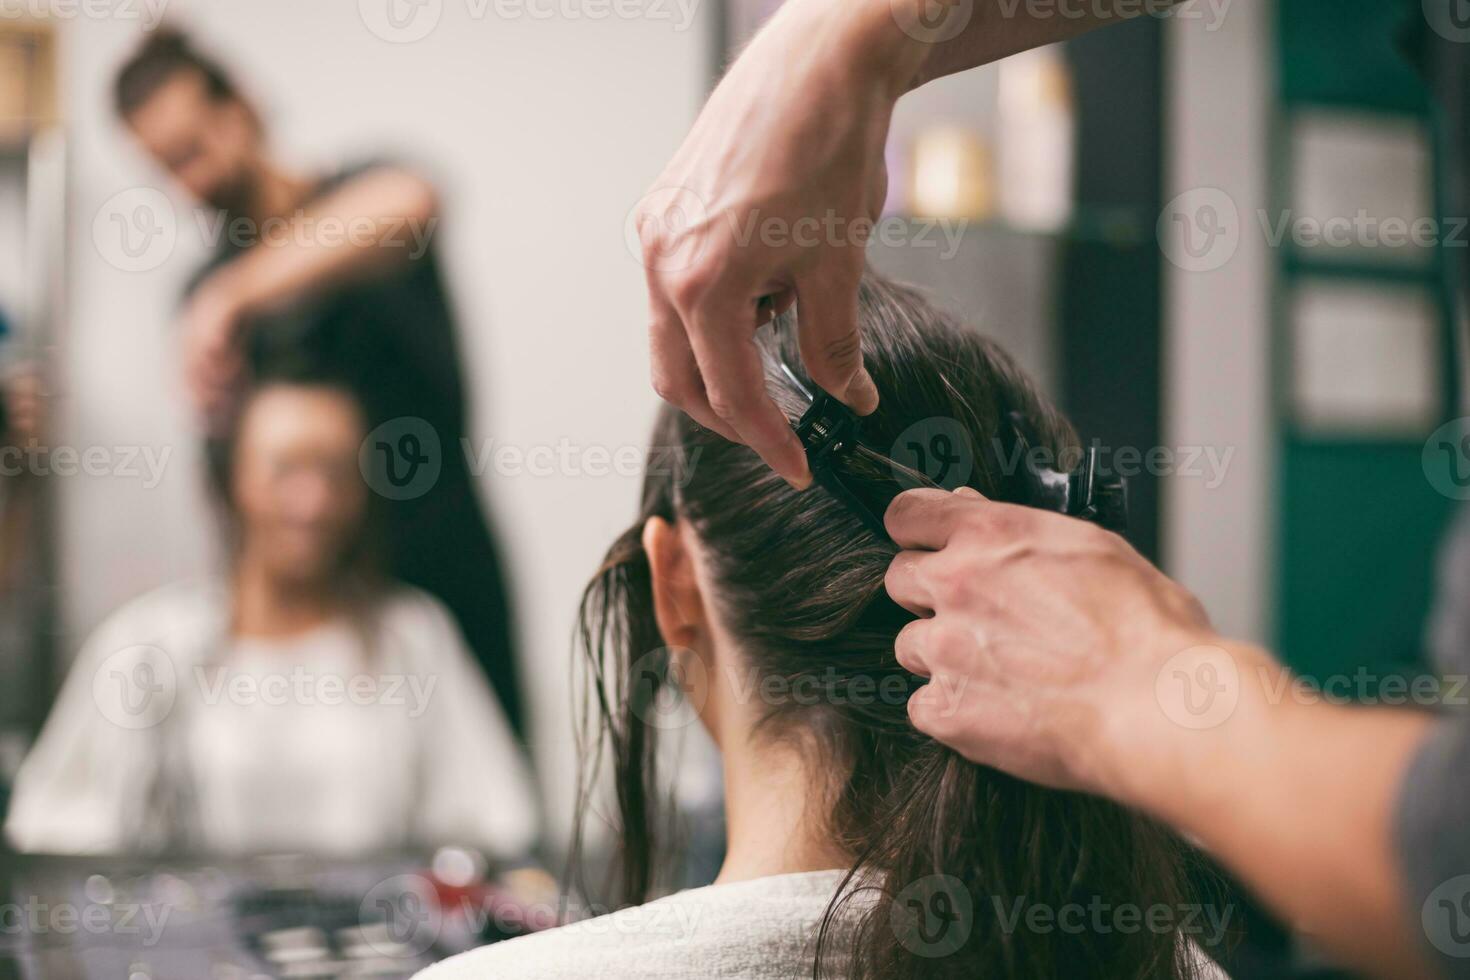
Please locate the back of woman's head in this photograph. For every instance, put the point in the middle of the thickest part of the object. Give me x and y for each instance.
(798, 582)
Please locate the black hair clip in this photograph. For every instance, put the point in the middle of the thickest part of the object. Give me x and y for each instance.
(1083, 493)
(828, 431)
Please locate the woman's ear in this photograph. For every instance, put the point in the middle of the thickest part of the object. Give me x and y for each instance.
(677, 604)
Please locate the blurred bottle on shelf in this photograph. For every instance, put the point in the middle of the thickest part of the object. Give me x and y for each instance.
(27, 77)
(951, 175)
(1037, 140)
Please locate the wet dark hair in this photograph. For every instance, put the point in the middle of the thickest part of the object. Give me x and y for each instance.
(798, 580)
(166, 52)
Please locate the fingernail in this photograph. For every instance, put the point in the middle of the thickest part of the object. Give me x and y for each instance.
(969, 492)
(798, 483)
(862, 393)
(803, 481)
(799, 464)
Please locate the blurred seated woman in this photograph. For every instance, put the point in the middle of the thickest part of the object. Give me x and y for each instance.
(299, 703)
(856, 847)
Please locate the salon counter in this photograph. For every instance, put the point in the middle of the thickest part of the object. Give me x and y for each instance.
(196, 918)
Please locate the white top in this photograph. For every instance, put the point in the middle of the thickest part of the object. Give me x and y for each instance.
(764, 929)
(168, 731)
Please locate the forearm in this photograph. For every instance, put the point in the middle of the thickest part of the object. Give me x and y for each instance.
(1298, 799)
(377, 222)
(911, 42)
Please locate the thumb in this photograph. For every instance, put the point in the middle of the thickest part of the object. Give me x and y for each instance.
(831, 346)
(976, 719)
(934, 709)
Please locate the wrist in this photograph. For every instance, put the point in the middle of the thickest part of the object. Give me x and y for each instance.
(1197, 708)
(883, 43)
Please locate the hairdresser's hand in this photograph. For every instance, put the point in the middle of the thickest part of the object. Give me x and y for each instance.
(774, 193)
(213, 360)
(1044, 639)
(1055, 653)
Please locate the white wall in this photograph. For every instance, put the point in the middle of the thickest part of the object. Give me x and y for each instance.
(542, 133)
(1217, 356)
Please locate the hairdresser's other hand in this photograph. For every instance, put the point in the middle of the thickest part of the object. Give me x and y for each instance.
(773, 193)
(1044, 638)
(213, 360)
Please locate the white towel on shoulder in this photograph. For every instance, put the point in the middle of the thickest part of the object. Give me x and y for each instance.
(763, 929)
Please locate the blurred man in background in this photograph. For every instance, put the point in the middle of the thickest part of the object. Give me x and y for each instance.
(344, 266)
